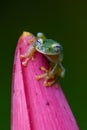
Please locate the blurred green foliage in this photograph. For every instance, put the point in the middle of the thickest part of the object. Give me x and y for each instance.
(64, 21)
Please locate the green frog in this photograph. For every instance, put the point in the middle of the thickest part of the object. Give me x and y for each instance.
(53, 51)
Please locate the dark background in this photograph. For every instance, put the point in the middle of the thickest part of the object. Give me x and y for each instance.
(64, 21)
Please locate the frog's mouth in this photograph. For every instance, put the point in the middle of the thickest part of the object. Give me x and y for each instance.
(46, 52)
(49, 51)
(52, 58)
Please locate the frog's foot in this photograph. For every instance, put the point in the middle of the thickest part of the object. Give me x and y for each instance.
(25, 58)
(32, 40)
(24, 63)
(49, 79)
(28, 55)
(49, 83)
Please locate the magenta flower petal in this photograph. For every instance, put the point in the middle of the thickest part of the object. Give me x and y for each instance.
(35, 107)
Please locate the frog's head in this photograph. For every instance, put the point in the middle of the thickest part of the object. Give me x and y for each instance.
(48, 47)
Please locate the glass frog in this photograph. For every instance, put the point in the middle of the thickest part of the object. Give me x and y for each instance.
(53, 51)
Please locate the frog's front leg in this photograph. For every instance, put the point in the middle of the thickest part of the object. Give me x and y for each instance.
(28, 55)
(50, 76)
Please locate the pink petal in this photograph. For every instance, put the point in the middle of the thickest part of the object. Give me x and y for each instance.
(20, 119)
(35, 107)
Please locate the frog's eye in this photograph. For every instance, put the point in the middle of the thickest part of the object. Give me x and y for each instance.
(39, 42)
(56, 47)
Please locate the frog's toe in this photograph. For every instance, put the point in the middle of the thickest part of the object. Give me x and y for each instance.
(45, 70)
(22, 57)
(48, 79)
(25, 62)
(49, 83)
(38, 77)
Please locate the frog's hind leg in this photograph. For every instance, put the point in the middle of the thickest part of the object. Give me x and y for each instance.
(49, 80)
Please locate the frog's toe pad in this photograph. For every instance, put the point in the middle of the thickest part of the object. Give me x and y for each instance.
(22, 56)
